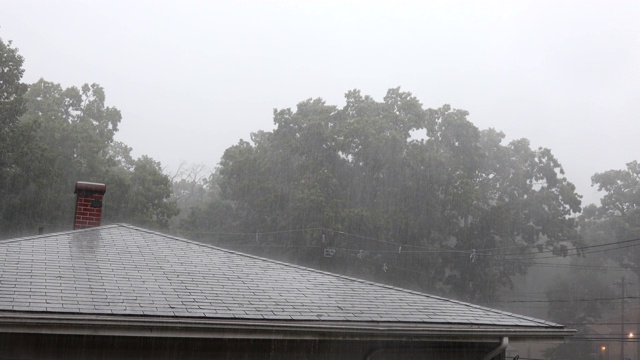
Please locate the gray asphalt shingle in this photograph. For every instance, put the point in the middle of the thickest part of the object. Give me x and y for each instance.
(124, 270)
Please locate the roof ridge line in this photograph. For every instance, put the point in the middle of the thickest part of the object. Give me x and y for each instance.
(193, 242)
(33, 237)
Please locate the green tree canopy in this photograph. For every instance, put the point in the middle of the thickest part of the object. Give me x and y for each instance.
(617, 219)
(12, 102)
(428, 185)
(51, 137)
(19, 149)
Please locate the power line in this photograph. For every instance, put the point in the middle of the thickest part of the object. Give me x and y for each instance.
(570, 300)
(395, 243)
(612, 338)
(494, 257)
(601, 323)
(427, 249)
(578, 266)
(463, 252)
(582, 248)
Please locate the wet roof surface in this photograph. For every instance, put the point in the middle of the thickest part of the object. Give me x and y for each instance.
(124, 270)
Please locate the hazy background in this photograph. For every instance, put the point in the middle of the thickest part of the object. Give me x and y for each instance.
(193, 77)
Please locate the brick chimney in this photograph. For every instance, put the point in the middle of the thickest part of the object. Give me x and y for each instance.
(88, 204)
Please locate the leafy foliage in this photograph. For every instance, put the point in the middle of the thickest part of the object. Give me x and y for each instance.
(17, 160)
(190, 190)
(12, 105)
(618, 217)
(424, 180)
(53, 137)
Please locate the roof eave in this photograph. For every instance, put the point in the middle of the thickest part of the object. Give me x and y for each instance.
(155, 326)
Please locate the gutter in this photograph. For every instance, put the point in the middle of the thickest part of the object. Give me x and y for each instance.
(155, 326)
(503, 345)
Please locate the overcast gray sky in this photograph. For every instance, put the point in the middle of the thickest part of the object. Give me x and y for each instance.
(193, 77)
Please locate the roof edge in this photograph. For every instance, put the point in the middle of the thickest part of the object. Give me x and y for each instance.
(301, 267)
(155, 326)
(542, 323)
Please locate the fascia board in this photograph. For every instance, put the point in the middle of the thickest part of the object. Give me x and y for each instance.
(109, 325)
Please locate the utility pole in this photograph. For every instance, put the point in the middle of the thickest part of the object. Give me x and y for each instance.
(622, 321)
(622, 334)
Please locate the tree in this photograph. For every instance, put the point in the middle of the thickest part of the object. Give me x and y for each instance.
(23, 161)
(12, 103)
(67, 135)
(71, 134)
(190, 189)
(75, 124)
(151, 191)
(622, 199)
(615, 225)
(580, 298)
(617, 219)
(374, 178)
(138, 192)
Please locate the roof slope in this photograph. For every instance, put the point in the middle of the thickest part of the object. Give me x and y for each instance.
(124, 270)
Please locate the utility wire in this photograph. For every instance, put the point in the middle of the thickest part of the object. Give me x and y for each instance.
(465, 253)
(570, 300)
(426, 248)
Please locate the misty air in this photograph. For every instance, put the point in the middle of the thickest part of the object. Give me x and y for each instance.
(319, 180)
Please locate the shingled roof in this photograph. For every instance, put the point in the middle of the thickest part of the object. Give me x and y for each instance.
(121, 278)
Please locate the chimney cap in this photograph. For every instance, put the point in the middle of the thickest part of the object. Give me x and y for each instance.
(83, 186)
